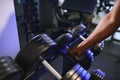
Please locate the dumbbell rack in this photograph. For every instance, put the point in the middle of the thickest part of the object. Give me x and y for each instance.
(77, 72)
(33, 64)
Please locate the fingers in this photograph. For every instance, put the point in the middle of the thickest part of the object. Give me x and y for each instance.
(74, 53)
(79, 54)
(71, 51)
(75, 57)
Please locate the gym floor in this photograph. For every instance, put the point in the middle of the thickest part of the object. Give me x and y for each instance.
(109, 61)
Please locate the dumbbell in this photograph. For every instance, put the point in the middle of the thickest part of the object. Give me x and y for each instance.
(9, 69)
(78, 33)
(97, 74)
(77, 30)
(79, 73)
(65, 41)
(97, 48)
(40, 45)
(76, 73)
(29, 57)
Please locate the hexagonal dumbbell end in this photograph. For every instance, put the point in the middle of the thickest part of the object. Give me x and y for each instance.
(97, 75)
(86, 59)
(80, 73)
(77, 73)
(98, 48)
(72, 73)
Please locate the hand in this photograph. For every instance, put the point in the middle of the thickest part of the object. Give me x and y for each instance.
(74, 51)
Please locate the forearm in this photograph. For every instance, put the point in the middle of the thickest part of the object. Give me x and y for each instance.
(104, 29)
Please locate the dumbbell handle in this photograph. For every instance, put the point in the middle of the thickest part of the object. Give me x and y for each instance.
(51, 69)
(72, 44)
(82, 37)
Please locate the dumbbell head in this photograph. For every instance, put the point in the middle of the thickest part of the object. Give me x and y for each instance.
(86, 59)
(97, 74)
(98, 48)
(9, 70)
(71, 72)
(63, 39)
(40, 45)
(77, 73)
(78, 30)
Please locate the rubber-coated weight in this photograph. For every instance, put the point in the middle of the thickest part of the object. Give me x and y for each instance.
(9, 70)
(63, 39)
(97, 75)
(71, 72)
(41, 45)
(98, 48)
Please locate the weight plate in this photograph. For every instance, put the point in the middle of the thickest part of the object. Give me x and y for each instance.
(79, 71)
(79, 78)
(98, 48)
(78, 30)
(86, 59)
(40, 45)
(9, 70)
(87, 77)
(5, 59)
(63, 39)
(74, 76)
(71, 72)
(97, 74)
(83, 74)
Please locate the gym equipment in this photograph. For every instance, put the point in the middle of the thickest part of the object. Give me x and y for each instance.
(13, 71)
(73, 38)
(40, 45)
(65, 41)
(97, 74)
(79, 73)
(41, 50)
(78, 30)
(43, 45)
(50, 68)
(9, 70)
(76, 73)
(98, 48)
(80, 33)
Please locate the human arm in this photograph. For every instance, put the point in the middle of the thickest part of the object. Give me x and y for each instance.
(105, 28)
